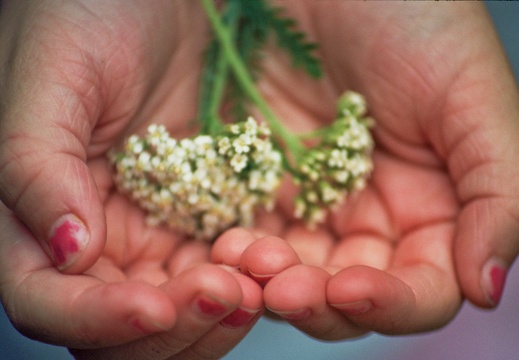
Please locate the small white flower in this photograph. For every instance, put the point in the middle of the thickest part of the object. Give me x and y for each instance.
(241, 145)
(198, 185)
(224, 145)
(239, 162)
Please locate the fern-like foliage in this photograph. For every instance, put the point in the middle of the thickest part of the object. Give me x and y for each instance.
(294, 41)
(251, 24)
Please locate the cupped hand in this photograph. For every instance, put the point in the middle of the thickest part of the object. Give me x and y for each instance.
(149, 296)
(438, 220)
(77, 77)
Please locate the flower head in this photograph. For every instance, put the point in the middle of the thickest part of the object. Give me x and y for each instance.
(340, 164)
(203, 185)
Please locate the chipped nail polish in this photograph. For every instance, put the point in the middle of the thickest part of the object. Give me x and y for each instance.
(239, 317)
(211, 307)
(493, 280)
(68, 237)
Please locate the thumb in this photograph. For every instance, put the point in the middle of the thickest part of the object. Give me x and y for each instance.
(44, 177)
(487, 239)
(486, 245)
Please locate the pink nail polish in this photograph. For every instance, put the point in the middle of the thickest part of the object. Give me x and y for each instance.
(493, 280)
(211, 307)
(68, 238)
(239, 317)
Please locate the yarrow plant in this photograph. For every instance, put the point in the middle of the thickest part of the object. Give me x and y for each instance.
(340, 163)
(202, 185)
(208, 183)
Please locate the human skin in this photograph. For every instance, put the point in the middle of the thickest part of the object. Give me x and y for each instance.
(438, 221)
(77, 77)
(80, 76)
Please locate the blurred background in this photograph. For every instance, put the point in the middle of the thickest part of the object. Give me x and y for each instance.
(474, 334)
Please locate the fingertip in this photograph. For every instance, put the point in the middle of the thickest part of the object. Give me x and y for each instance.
(266, 257)
(229, 247)
(298, 295)
(251, 305)
(353, 284)
(70, 244)
(485, 249)
(206, 280)
(483, 284)
(68, 237)
(46, 182)
(251, 291)
(492, 281)
(297, 291)
(372, 299)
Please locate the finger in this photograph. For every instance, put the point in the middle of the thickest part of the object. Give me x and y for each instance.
(203, 296)
(313, 247)
(418, 293)
(485, 247)
(266, 257)
(481, 137)
(362, 249)
(188, 255)
(229, 247)
(141, 250)
(298, 295)
(77, 311)
(233, 328)
(45, 127)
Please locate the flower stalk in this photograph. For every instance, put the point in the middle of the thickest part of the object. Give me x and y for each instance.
(203, 185)
(291, 141)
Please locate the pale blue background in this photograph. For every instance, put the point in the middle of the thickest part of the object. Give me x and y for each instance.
(474, 334)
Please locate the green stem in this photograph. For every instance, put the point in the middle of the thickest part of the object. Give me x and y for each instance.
(318, 133)
(291, 141)
(214, 122)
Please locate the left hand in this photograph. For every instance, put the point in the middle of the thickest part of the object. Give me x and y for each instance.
(441, 206)
(381, 265)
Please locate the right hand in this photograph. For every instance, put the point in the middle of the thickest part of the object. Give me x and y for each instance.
(77, 77)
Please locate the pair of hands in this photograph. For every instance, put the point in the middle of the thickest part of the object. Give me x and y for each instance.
(437, 222)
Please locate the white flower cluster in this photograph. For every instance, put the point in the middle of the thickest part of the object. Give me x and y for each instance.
(340, 164)
(203, 185)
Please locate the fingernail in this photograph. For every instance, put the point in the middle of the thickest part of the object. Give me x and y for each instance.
(210, 306)
(493, 279)
(239, 317)
(294, 315)
(147, 327)
(354, 308)
(262, 280)
(68, 237)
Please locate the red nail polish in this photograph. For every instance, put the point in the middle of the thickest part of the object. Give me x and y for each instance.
(493, 280)
(68, 238)
(211, 307)
(239, 317)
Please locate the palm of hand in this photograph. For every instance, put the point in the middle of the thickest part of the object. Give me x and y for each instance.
(403, 224)
(401, 230)
(145, 280)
